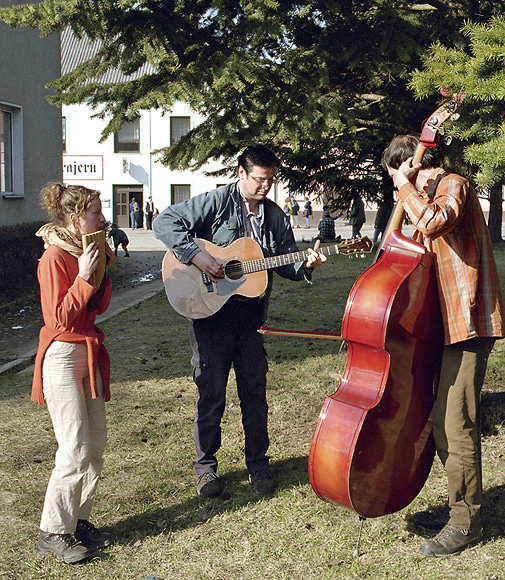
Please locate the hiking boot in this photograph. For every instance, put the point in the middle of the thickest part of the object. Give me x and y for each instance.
(92, 537)
(262, 482)
(64, 546)
(208, 484)
(450, 542)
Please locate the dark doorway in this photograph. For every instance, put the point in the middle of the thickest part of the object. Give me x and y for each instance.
(123, 195)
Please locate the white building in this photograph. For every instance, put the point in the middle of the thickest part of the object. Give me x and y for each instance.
(124, 166)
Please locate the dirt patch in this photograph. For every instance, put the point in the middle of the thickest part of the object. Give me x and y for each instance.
(21, 320)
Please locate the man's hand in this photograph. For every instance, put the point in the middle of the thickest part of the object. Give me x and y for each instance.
(206, 263)
(404, 173)
(315, 259)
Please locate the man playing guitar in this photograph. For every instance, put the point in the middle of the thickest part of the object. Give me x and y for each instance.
(229, 336)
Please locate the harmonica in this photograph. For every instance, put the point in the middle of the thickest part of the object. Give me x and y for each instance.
(87, 239)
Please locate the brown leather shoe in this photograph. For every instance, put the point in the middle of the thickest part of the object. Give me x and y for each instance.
(92, 537)
(263, 482)
(64, 546)
(450, 542)
(208, 484)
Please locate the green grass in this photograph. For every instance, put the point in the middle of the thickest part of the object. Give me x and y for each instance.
(147, 494)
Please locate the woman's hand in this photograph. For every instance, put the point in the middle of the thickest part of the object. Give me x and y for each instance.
(88, 261)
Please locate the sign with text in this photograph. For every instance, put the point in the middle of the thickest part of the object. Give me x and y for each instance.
(82, 167)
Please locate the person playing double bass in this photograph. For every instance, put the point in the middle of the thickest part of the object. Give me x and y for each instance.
(449, 221)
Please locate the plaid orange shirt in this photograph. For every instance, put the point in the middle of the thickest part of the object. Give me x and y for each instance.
(450, 223)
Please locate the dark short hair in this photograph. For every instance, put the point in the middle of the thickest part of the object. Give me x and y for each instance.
(401, 148)
(258, 155)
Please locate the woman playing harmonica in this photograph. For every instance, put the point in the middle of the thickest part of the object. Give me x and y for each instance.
(72, 368)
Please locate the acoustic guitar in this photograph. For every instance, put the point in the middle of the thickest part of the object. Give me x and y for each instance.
(193, 294)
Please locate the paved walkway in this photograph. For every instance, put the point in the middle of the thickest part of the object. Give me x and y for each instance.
(140, 241)
(144, 240)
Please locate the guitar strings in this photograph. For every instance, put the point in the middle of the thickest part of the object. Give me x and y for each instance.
(236, 266)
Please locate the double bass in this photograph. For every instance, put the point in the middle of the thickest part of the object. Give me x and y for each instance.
(372, 448)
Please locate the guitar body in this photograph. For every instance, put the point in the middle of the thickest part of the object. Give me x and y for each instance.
(193, 295)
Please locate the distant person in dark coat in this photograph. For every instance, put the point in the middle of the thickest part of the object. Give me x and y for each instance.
(149, 213)
(119, 238)
(357, 215)
(382, 217)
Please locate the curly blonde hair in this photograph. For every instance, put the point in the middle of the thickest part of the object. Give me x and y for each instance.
(61, 200)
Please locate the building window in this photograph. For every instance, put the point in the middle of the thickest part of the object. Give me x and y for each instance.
(11, 151)
(64, 133)
(128, 138)
(5, 151)
(179, 126)
(180, 193)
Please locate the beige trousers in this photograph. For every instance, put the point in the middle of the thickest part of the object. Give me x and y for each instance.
(457, 427)
(81, 433)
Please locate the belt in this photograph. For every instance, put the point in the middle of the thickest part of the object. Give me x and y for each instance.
(238, 298)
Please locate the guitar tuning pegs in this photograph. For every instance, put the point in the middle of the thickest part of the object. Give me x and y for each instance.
(448, 140)
(455, 116)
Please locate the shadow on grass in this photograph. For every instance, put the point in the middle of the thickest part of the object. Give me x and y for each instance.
(289, 473)
(429, 522)
(493, 412)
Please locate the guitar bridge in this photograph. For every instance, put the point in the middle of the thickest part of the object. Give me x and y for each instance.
(207, 282)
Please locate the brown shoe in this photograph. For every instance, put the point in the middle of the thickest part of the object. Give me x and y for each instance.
(263, 482)
(450, 542)
(64, 546)
(92, 537)
(208, 484)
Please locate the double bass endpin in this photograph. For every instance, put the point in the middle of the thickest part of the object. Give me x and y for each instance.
(357, 553)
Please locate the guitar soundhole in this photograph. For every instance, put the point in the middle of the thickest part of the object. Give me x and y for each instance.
(233, 269)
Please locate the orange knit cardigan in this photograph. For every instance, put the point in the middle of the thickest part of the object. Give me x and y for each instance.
(64, 298)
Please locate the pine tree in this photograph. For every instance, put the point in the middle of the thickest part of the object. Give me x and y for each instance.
(477, 69)
(322, 82)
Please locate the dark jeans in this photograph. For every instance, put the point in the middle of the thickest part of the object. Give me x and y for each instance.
(228, 338)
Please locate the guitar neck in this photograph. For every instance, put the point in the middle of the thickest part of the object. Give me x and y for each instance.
(285, 259)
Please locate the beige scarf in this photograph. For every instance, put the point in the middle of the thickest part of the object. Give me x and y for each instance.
(56, 235)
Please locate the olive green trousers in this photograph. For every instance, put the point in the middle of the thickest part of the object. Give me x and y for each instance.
(457, 427)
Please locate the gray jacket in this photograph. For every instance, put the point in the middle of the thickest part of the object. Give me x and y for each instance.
(216, 216)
